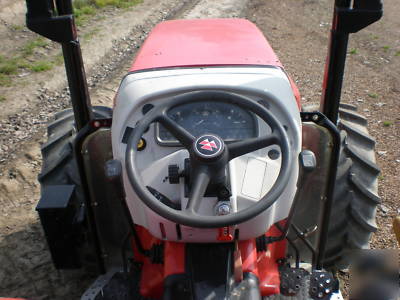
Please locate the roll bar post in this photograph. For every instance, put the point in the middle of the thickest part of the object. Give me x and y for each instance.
(349, 16)
(55, 21)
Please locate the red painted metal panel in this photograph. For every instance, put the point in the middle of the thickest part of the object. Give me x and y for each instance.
(153, 275)
(264, 264)
(174, 258)
(296, 92)
(209, 42)
(268, 266)
(248, 251)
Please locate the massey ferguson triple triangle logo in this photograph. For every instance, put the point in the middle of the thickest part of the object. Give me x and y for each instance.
(207, 145)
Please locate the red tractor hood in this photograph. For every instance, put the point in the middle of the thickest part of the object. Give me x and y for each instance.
(209, 42)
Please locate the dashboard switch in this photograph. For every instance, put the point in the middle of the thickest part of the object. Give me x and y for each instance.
(173, 174)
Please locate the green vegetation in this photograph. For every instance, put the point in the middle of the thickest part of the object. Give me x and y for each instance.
(58, 59)
(10, 66)
(4, 80)
(387, 123)
(381, 177)
(27, 58)
(91, 34)
(386, 48)
(16, 27)
(83, 4)
(397, 53)
(373, 95)
(83, 9)
(41, 66)
(29, 47)
(353, 51)
(2, 98)
(116, 3)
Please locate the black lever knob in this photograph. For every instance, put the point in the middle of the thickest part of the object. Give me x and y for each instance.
(173, 174)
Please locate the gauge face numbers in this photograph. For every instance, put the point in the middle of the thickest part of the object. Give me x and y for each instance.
(228, 121)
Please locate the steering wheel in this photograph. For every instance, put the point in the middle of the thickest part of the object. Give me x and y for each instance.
(209, 155)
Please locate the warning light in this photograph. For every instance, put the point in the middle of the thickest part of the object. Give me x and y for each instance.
(141, 145)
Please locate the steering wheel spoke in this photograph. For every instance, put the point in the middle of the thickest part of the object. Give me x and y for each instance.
(200, 182)
(181, 134)
(246, 146)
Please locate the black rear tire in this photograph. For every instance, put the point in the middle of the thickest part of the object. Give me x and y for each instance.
(59, 164)
(356, 192)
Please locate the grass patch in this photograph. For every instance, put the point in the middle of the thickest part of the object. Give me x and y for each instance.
(8, 67)
(387, 123)
(58, 59)
(41, 66)
(2, 98)
(116, 3)
(29, 47)
(5, 80)
(381, 177)
(85, 8)
(91, 34)
(16, 27)
(386, 48)
(397, 53)
(82, 13)
(353, 51)
(373, 95)
(11, 66)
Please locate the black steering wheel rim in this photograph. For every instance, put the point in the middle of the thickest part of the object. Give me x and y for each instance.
(186, 217)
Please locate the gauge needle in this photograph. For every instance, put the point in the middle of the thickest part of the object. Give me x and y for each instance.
(198, 123)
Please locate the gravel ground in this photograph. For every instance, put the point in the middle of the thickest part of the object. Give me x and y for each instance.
(297, 30)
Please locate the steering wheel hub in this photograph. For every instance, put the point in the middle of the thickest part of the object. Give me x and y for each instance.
(208, 146)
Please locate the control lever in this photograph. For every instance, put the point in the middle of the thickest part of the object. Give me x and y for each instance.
(163, 199)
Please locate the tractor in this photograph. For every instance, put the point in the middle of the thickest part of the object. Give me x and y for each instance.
(208, 178)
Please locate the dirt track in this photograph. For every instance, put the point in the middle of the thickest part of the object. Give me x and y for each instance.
(297, 30)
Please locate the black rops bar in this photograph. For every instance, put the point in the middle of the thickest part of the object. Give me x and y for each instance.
(41, 18)
(54, 20)
(346, 19)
